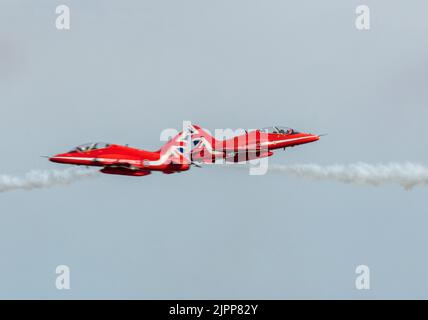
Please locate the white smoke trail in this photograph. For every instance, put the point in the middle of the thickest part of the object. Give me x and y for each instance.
(43, 179)
(407, 175)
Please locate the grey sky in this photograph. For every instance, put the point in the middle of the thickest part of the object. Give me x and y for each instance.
(128, 69)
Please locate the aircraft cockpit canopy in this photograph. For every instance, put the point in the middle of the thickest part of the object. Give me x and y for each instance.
(279, 130)
(91, 146)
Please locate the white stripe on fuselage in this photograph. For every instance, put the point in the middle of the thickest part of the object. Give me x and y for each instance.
(173, 150)
(287, 140)
(268, 143)
(100, 160)
(158, 162)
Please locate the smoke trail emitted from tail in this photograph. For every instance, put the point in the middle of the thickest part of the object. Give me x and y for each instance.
(407, 175)
(43, 179)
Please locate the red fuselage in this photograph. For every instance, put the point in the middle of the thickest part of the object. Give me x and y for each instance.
(116, 159)
(251, 145)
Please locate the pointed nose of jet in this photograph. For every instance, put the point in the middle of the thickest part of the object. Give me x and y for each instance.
(54, 158)
(321, 135)
(59, 158)
(313, 137)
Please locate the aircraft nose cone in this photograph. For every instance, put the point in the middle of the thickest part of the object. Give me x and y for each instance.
(53, 159)
(313, 137)
(59, 158)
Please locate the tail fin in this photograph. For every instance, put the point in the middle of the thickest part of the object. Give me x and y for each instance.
(176, 149)
(205, 148)
(192, 144)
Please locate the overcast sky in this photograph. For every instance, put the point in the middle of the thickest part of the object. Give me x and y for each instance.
(129, 69)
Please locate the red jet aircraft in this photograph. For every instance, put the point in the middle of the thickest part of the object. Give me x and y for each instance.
(176, 155)
(248, 146)
(123, 160)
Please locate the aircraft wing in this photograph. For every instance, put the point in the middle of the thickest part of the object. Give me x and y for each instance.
(126, 169)
(246, 156)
